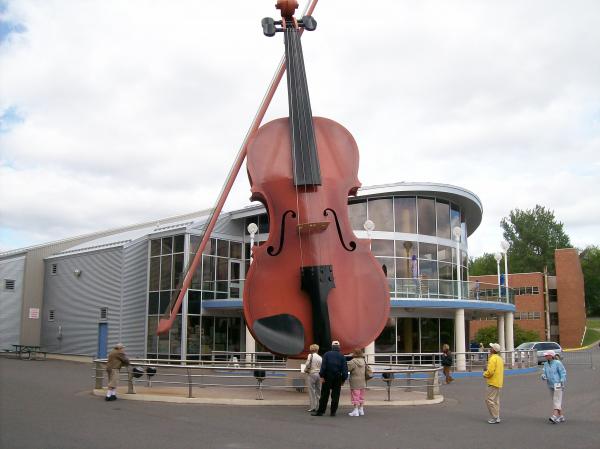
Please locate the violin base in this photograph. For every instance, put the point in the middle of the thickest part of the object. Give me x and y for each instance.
(282, 334)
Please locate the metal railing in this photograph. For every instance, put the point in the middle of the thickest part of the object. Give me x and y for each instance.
(474, 361)
(423, 287)
(190, 374)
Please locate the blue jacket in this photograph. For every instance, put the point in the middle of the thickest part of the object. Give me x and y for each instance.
(334, 365)
(554, 372)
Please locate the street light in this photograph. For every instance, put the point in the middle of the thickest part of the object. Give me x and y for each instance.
(457, 232)
(498, 258)
(252, 230)
(369, 226)
(505, 245)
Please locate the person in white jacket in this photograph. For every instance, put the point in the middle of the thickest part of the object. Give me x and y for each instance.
(313, 380)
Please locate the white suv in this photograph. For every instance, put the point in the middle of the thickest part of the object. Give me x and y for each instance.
(540, 347)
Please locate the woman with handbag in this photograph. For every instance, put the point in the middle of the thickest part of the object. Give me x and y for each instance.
(359, 372)
(313, 380)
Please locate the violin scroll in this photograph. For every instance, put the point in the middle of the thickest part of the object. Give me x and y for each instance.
(287, 7)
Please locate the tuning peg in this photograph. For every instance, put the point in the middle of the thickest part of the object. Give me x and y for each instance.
(268, 26)
(309, 23)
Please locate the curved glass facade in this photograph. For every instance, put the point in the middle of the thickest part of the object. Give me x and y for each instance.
(413, 243)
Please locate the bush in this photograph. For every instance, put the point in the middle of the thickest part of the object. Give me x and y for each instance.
(487, 335)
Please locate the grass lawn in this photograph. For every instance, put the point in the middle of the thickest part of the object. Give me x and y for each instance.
(593, 323)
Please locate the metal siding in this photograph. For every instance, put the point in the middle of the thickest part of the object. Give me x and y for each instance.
(135, 291)
(77, 301)
(10, 301)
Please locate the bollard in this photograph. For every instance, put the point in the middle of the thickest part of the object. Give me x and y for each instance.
(388, 378)
(189, 377)
(130, 387)
(430, 385)
(99, 375)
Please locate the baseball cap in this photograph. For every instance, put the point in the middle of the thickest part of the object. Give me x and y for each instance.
(549, 352)
(335, 343)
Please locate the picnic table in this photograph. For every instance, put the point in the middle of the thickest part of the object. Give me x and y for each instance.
(28, 350)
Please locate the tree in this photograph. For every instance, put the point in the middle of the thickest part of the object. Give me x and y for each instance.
(590, 265)
(533, 236)
(489, 334)
(485, 264)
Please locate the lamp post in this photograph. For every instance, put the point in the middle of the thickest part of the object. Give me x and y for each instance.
(498, 258)
(457, 233)
(369, 227)
(250, 342)
(505, 245)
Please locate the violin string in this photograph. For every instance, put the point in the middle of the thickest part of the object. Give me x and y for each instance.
(293, 108)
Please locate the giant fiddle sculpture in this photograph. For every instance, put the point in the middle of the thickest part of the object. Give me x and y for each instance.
(312, 281)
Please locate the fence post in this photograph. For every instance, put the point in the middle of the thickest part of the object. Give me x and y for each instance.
(99, 376)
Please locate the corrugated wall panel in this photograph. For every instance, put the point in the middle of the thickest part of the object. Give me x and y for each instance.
(77, 301)
(135, 288)
(10, 301)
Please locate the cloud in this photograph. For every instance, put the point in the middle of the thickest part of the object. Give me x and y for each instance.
(118, 112)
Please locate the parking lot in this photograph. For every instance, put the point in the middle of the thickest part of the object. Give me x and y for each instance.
(48, 405)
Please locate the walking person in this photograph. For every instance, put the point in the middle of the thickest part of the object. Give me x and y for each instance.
(447, 363)
(555, 375)
(333, 374)
(116, 359)
(313, 380)
(357, 367)
(495, 379)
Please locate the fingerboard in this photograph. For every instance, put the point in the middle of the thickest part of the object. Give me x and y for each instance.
(305, 158)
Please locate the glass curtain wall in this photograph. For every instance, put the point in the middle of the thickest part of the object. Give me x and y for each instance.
(413, 268)
(415, 335)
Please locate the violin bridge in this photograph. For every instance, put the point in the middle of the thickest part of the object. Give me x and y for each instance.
(306, 228)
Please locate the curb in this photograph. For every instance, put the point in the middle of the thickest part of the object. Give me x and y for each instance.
(257, 403)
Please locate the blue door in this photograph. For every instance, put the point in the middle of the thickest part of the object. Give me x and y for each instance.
(102, 340)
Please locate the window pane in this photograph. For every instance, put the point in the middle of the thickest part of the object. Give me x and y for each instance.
(155, 247)
(382, 248)
(427, 251)
(429, 335)
(153, 303)
(220, 334)
(236, 250)
(208, 324)
(167, 245)
(386, 342)
(233, 334)
(193, 331)
(165, 299)
(208, 273)
(263, 224)
(178, 268)
(178, 243)
(445, 253)
(165, 272)
(382, 214)
(194, 302)
(442, 212)
(428, 269)
(358, 215)
(154, 274)
(426, 207)
(405, 248)
(403, 268)
(223, 248)
(195, 241)
(152, 337)
(454, 216)
(405, 212)
(222, 269)
(446, 271)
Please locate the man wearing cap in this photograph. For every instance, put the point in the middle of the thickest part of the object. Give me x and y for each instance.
(116, 359)
(555, 375)
(333, 373)
(495, 379)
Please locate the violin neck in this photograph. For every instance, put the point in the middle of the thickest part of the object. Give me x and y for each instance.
(306, 167)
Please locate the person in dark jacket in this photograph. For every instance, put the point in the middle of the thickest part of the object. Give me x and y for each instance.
(116, 359)
(333, 373)
(447, 363)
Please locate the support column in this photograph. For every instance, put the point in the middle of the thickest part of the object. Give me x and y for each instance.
(370, 352)
(250, 345)
(509, 336)
(459, 340)
(501, 327)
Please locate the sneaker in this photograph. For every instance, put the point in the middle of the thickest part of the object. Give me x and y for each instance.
(316, 414)
(354, 412)
(561, 418)
(361, 412)
(311, 410)
(113, 398)
(107, 398)
(553, 419)
(493, 421)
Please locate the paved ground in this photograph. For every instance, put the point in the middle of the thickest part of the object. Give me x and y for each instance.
(49, 405)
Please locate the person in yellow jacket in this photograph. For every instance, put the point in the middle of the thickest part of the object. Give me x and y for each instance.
(495, 379)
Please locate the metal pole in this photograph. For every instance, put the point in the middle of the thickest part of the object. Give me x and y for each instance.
(506, 274)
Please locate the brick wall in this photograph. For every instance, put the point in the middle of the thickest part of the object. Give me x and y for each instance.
(571, 297)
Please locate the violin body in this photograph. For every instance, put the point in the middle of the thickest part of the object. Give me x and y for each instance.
(359, 303)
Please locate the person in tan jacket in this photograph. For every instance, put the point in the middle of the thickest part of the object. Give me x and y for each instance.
(358, 383)
(116, 359)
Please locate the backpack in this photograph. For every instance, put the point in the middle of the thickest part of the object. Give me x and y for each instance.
(368, 372)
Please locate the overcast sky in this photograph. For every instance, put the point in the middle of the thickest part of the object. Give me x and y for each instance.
(115, 112)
